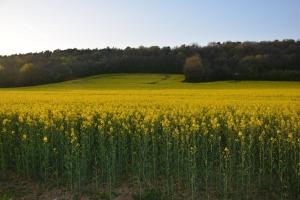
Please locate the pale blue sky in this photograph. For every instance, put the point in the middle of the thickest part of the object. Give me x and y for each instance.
(37, 25)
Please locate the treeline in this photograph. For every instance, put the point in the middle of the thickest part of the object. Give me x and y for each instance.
(276, 60)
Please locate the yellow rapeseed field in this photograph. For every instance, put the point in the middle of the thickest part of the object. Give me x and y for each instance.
(197, 142)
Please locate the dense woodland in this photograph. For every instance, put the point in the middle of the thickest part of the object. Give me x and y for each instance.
(269, 60)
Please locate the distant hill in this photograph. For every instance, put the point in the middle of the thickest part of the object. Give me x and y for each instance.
(276, 60)
(155, 82)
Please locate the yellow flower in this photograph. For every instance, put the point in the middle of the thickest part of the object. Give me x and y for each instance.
(290, 137)
(261, 138)
(45, 139)
(24, 137)
(226, 152)
(214, 123)
(272, 140)
(240, 134)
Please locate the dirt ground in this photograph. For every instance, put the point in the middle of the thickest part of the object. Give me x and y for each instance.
(13, 187)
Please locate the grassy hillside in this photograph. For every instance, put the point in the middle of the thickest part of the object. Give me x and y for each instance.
(152, 82)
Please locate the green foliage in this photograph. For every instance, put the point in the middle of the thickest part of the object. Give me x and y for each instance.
(27, 68)
(29, 74)
(194, 69)
(221, 61)
(5, 197)
(1, 69)
(119, 82)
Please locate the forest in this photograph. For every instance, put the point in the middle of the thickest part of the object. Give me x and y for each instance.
(265, 60)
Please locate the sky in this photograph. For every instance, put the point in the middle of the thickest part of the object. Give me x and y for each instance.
(39, 25)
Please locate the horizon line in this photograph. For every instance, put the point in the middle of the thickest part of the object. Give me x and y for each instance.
(149, 46)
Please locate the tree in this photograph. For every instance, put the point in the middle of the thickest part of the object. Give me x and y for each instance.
(194, 70)
(267, 60)
(1, 69)
(2, 74)
(29, 74)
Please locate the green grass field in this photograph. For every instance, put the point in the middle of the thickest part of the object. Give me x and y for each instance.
(153, 82)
